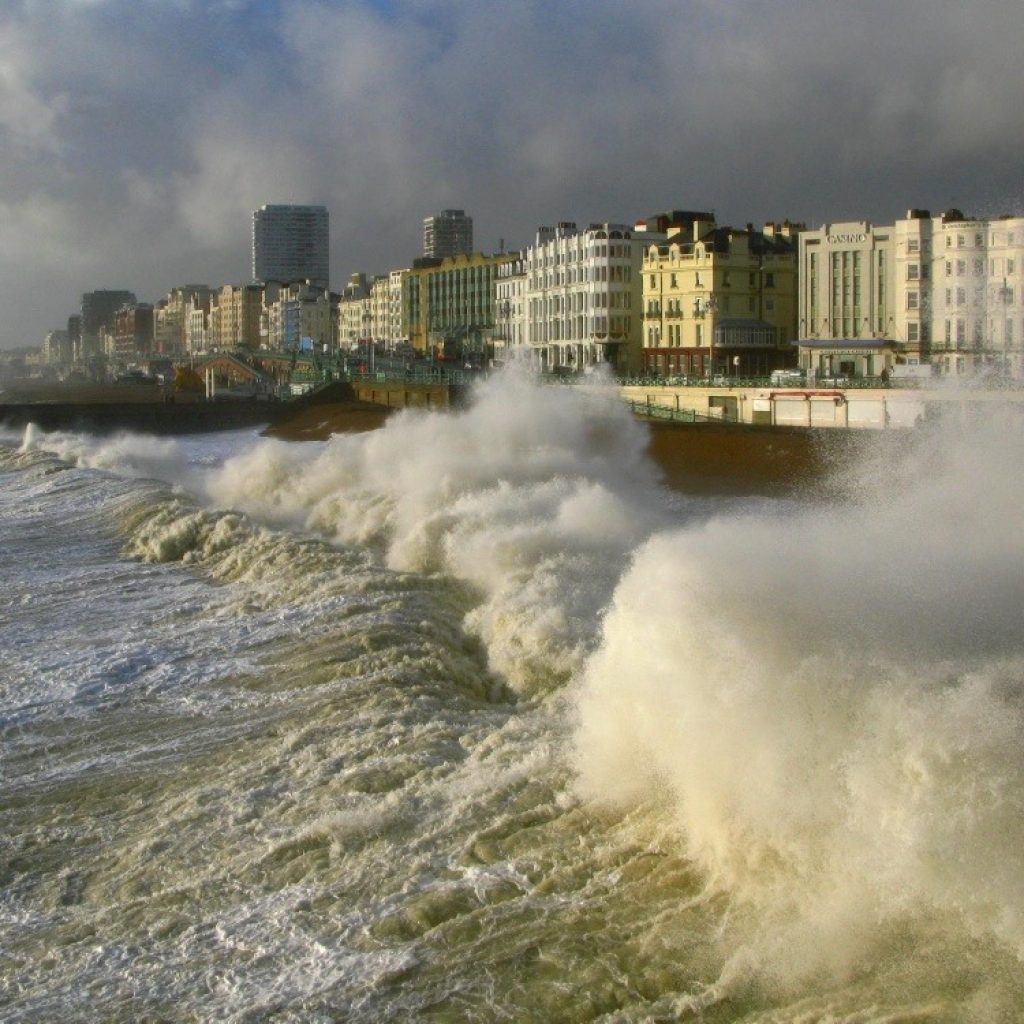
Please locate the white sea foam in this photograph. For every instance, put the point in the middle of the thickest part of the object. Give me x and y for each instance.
(533, 496)
(831, 705)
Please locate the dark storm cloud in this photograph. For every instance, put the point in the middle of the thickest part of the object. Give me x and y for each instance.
(137, 135)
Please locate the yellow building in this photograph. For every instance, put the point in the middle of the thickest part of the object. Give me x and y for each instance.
(451, 305)
(718, 300)
(235, 317)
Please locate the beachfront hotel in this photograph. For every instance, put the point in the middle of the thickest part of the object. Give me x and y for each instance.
(945, 291)
(718, 300)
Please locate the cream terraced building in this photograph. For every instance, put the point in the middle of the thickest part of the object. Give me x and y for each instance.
(944, 291)
(720, 300)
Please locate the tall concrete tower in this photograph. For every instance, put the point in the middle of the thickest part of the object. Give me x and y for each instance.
(291, 243)
(448, 233)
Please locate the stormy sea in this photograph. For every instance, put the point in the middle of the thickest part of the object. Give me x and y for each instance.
(472, 718)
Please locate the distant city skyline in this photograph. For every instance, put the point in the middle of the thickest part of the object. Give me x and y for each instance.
(143, 174)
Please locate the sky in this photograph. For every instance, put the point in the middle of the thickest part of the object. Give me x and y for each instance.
(137, 136)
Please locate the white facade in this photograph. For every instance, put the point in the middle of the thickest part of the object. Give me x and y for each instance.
(291, 243)
(379, 308)
(977, 283)
(197, 325)
(510, 309)
(398, 307)
(298, 315)
(947, 290)
(583, 296)
(847, 282)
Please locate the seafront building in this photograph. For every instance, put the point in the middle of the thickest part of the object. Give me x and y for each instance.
(452, 305)
(353, 321)
(57, 350)
(510, 309)
(235, 315)
(171, 316)
(581, 297)
(133, 331)
(719, 300)
(399, 283)
(448, 233)
(97, 320)
(299, 316)
(944, 291)
(291, 243)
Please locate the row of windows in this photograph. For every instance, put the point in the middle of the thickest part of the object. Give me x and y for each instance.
(582, 275)
(726, 304)
(535, 259)
(579, 302)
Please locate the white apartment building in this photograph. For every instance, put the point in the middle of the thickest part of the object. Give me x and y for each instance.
(197, 325)
(583, 296)
(300, 315)
(943, 290)
(354, 316)
(379, 305)
(398, 307)
(977, 281)
(510, 310)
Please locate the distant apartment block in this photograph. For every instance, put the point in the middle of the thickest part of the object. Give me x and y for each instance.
(133, 331)
(300, 316)
(235, 315)
(448, 233)
(291, 243)
(97, 320)
(170, 324)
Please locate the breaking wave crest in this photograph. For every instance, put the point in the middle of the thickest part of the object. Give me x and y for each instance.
(532, 497)
(830, 705)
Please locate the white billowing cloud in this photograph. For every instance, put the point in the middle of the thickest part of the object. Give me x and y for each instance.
(28, 118)
(138, 135)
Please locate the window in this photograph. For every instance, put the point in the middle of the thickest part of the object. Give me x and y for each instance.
(913, 272)
(912, 299)
(913, 245)
(1010, 266)
(769, 280)
(961, 268)
(960, 332)
(949, 268)
(912, 332)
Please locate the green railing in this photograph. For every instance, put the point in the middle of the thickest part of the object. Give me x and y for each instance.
(666, 412)
(722, 381)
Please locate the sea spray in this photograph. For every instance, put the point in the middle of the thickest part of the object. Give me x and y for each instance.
(830, 705)
(530, 496)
